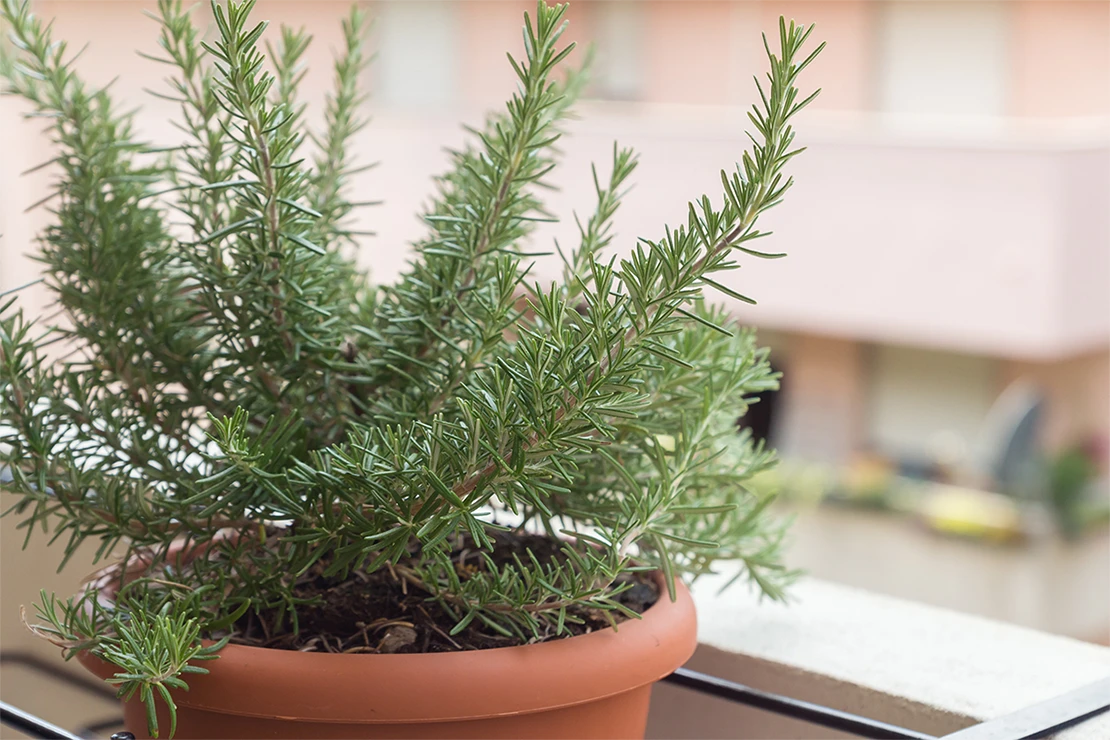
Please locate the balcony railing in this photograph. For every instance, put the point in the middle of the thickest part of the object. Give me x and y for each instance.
(1007, 224)
(882, 220)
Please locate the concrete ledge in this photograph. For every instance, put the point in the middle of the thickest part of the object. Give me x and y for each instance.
(921, 667)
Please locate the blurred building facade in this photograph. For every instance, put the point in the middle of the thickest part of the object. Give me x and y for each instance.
(949, 233)
(949, 230)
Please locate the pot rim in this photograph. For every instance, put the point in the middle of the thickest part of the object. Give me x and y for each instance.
(462, 685)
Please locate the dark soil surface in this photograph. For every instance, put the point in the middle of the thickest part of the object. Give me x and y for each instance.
(382, 612)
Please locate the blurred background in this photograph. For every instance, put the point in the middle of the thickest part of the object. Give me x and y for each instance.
(943, 317)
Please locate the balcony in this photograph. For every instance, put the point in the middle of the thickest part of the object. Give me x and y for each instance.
(983, 237)
(882, 666)
(969, 236)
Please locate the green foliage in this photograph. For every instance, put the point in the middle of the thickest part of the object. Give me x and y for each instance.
(1070, 475)
(152, 641)
(232, 385)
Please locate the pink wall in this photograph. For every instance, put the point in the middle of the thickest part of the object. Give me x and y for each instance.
(890, 238)
(824, 400)
(489, 28)
(706, 51)
(845, 69)
(703, 51)
(1059, 51)
(1084, 200)
(1061, 58)
(689, 48)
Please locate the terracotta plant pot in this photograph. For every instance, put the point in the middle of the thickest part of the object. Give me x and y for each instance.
(592, 686)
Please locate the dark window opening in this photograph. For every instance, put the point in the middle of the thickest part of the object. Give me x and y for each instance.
(761, 416)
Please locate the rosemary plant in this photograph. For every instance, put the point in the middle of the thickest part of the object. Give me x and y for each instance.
(236, 406)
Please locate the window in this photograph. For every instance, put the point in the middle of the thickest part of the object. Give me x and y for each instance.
(926, 405)
(618, 30)
(417, 46)
(943, 57)
(762, 416)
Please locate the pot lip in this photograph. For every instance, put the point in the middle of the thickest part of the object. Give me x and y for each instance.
(449, 686)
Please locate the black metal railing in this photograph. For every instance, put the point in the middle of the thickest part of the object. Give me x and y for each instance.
(1037, 721)
(1034, 722)
(36, 727)
(815, 714)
